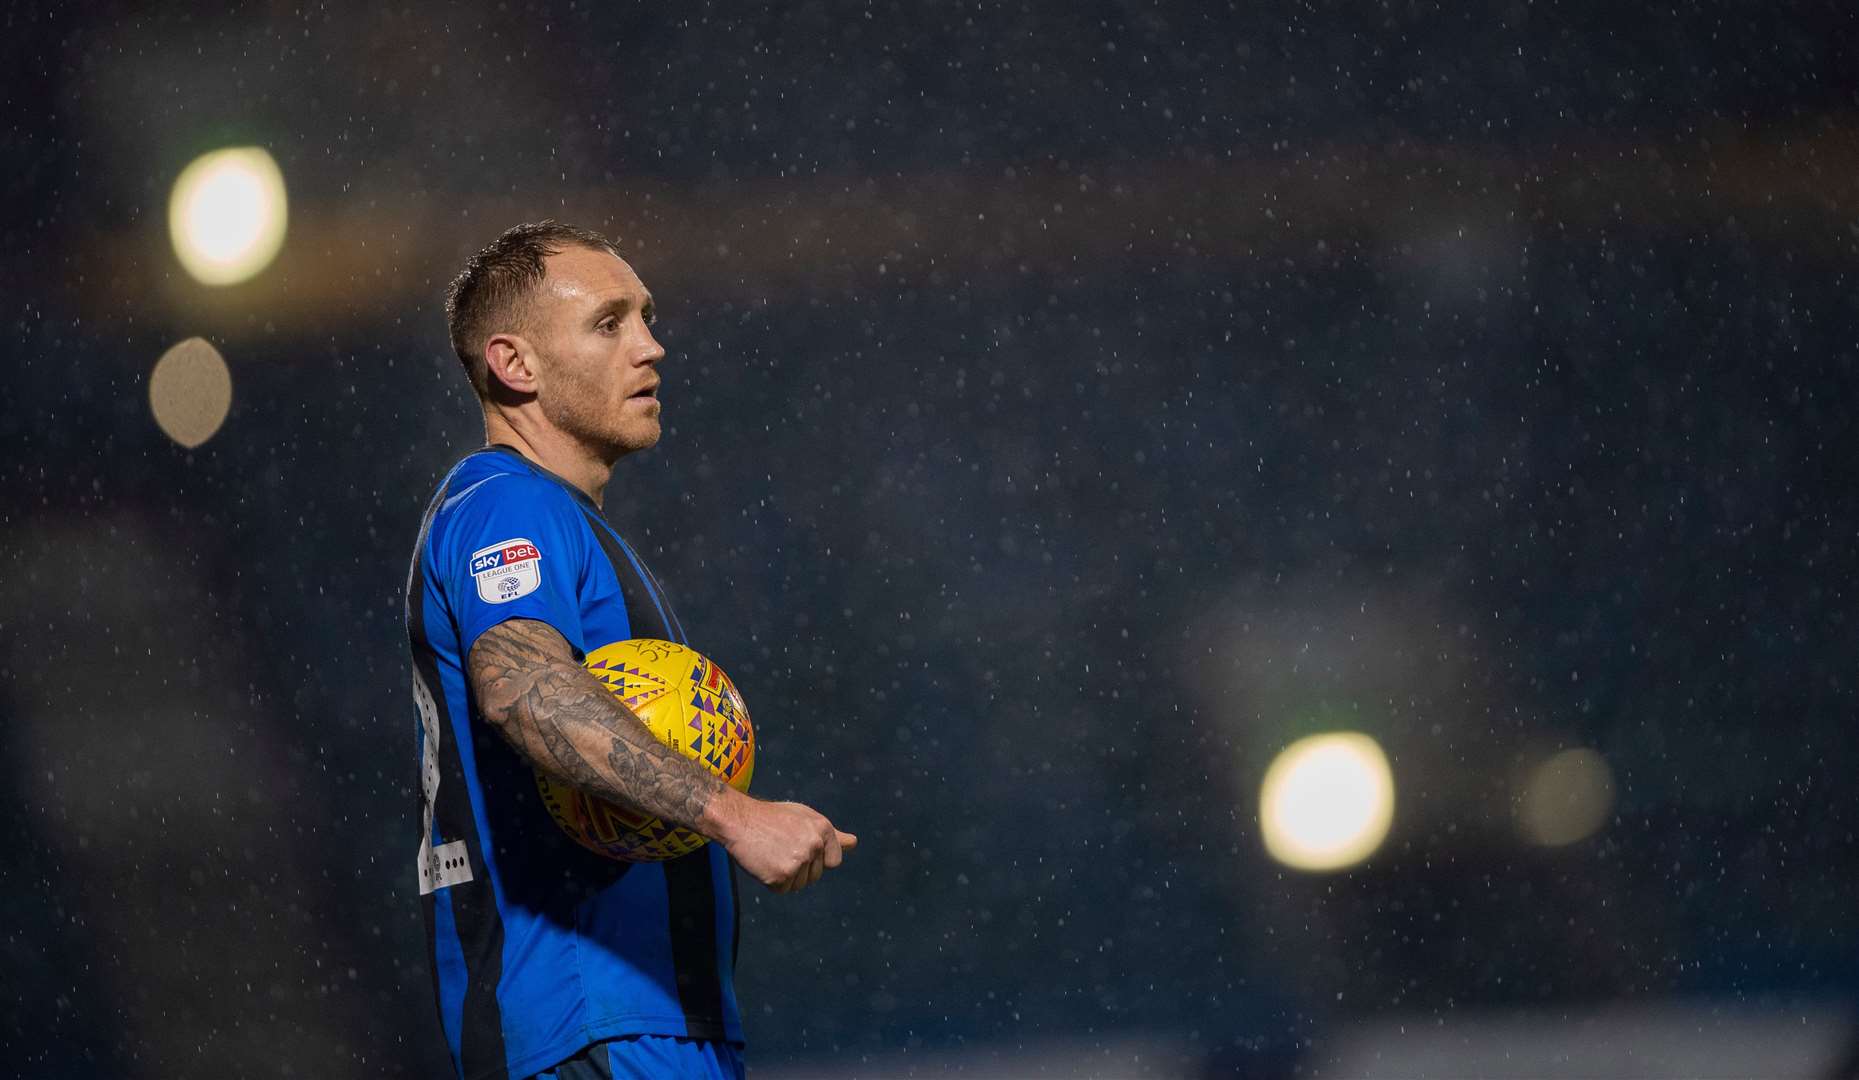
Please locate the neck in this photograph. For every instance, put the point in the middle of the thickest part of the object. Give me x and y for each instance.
(551, 449)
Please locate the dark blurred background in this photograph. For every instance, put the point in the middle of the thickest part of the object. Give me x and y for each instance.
(1069, 407)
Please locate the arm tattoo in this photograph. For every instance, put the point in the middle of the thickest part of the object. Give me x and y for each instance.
(561, 719)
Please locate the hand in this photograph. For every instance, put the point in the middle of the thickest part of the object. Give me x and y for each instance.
(785, 845)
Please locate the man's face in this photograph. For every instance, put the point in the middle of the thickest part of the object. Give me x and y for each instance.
(590, 325)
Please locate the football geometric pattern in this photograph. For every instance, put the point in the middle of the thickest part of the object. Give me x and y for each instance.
(691, 706)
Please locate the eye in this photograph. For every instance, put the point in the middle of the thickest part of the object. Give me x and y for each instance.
(607, 325)
(651, 316)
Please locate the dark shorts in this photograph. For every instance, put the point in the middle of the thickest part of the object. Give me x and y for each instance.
(651, 1057)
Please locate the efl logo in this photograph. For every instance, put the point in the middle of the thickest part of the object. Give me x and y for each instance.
(507, 570)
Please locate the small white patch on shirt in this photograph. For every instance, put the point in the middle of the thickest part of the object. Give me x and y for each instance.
(507, 570)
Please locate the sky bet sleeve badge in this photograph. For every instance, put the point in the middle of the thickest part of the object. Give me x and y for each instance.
(506, 570)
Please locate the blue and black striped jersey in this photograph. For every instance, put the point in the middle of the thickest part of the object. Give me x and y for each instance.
(538, 946)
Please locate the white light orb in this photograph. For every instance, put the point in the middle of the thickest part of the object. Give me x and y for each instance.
(1567, 798)
(1327, 801)
(227, 215)
(190, 392)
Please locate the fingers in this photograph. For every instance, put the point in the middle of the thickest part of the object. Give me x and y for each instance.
(808, 873)
(796, 848)
(816, 858)
(825, 855)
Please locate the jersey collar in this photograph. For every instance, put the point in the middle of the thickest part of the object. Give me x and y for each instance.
(580, 496)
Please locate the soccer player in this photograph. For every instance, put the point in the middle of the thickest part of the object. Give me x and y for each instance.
(549, 960)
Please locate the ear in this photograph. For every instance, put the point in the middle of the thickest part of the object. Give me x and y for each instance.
(510, 362)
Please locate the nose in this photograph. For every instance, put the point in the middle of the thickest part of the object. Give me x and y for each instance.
(653, 351)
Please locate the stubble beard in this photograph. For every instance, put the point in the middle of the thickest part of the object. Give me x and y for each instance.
(577, 414)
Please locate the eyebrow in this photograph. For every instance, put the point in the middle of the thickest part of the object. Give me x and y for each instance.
(619, 305)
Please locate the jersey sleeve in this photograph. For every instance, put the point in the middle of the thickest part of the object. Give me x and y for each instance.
(513, 549)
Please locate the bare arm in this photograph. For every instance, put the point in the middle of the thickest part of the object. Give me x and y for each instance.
(566, 723)
(562, 720)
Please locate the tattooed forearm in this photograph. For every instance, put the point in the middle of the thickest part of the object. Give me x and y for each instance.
(565, 722)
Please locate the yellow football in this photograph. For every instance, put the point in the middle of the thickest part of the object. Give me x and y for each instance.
(692, 707)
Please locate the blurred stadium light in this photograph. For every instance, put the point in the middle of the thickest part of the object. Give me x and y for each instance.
(227, 215)
(1567, 798)
(190, 392)
(1327, 801)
